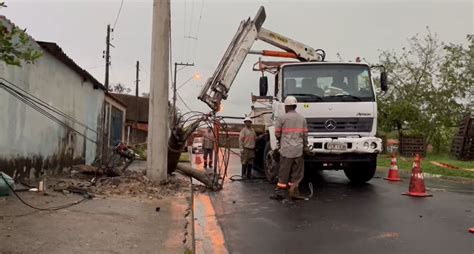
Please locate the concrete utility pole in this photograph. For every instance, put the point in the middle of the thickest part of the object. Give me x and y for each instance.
(174, 86)
(137, 111)
(159, 80)
(107, 58)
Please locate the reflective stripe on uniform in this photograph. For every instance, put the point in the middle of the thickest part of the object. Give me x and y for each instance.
(281, 185)
(293, 130)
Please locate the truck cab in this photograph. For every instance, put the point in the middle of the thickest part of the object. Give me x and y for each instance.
(339, 104)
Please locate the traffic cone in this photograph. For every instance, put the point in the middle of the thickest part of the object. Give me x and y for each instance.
(417, 184)
(393, 171)
(197, 159)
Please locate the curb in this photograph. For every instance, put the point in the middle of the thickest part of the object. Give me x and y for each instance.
(189, 235)
(191, 231)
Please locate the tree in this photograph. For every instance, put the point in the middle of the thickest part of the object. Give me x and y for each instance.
(15, 45)
(429, 89)
(119, 88)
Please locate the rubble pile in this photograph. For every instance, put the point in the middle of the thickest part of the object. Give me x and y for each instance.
(130, 183)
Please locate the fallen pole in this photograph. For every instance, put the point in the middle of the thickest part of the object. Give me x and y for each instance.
(210, 181)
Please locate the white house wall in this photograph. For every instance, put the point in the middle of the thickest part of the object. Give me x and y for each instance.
(30, 143)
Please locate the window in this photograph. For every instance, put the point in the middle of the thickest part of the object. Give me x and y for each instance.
(328, 82)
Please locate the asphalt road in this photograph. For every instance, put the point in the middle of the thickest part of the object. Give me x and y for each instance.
(343, 218)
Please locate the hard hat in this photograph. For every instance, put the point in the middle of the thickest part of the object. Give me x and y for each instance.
(247, 118)
(290, 101)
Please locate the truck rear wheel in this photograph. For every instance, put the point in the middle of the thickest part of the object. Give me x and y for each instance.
(271, 164)
(361, 172)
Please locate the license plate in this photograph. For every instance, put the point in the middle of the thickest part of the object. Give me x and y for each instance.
(337, 146)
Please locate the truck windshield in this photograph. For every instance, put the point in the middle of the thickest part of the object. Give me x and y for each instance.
(328, 82)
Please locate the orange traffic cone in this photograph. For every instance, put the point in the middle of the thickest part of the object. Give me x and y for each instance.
(393, 171)
(417, 184)
(197, 159)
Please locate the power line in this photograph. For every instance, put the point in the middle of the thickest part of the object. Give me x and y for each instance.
(197, 30)
(184, 29)
(42, 103)
(20, 96)
(118, 14)
(181, 99)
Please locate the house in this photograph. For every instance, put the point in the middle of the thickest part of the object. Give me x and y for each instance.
(136, 123)
(52, 114)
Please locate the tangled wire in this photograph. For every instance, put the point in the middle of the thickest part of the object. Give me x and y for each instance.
(193, 120)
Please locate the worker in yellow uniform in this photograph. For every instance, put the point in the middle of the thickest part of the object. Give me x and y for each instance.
(292, 133)
(247, 148)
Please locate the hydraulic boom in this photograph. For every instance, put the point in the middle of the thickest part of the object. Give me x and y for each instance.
(218, 85)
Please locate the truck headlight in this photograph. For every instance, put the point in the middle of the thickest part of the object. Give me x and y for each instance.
(366, 145)
(373, 145)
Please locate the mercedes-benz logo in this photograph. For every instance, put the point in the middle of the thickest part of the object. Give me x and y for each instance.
(330, 124)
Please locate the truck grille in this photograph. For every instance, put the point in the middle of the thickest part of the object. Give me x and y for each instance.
(340, 124)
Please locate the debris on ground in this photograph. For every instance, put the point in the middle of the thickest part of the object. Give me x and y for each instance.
(84, 181)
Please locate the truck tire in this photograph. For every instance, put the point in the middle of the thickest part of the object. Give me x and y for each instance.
(361, 172)
(271, 164)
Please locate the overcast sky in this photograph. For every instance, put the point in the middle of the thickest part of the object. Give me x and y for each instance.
(351, 28)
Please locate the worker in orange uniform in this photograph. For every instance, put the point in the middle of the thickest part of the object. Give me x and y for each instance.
(247, 148)
(292, 133)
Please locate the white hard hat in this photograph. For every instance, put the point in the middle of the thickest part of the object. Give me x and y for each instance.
(290, 101)
(247, 118)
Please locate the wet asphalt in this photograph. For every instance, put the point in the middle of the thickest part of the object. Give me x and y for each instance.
(344, 218)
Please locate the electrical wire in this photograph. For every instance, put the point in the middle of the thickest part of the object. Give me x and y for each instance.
(184, 29)
(45, 105)
(181, 99)
(118, 15)
(42, 111)
(53, 208)
(197, 30)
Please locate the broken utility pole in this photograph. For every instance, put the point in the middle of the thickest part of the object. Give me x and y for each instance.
(157, 154)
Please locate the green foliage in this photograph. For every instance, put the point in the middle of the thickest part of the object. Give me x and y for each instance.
(405, 164)
(15, 46)
(119, 88)
(429, 89)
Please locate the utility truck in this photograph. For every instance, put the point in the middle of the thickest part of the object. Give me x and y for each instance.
(337, 99)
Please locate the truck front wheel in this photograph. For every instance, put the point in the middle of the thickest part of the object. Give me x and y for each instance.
(361, 172)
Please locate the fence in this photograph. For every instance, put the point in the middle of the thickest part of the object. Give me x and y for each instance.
(463, 143)
(410, 146)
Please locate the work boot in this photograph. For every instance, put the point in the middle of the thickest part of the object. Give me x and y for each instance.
(244, 171)
(279, 194)
(205, 165)
(249, 171)
(294, 193)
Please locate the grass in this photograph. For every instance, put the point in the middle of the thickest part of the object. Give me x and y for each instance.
(405, 164)
(184, 157)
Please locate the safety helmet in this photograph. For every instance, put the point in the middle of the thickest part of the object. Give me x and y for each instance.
(247, 118)
(290, 101)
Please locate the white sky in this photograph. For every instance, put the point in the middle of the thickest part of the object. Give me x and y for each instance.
(349, 27)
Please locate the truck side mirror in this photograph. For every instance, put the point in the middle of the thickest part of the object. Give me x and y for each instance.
(263, 86)
(383, 81)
